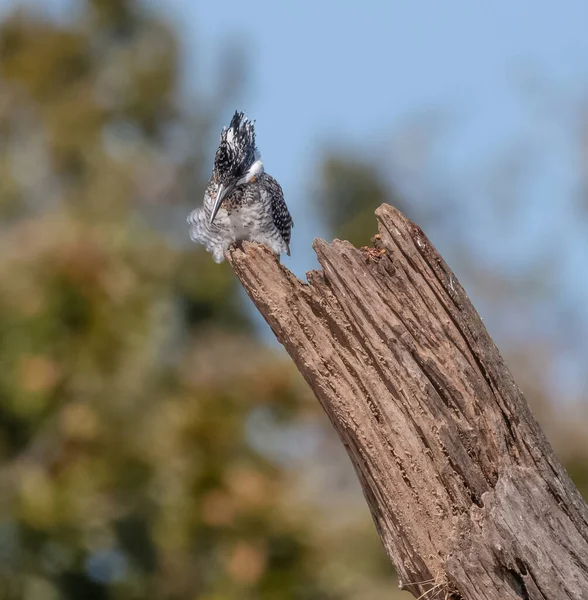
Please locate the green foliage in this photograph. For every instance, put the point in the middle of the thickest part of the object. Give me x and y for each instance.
(351, 191)
(577, 467)
(129, 369)
(131, 376)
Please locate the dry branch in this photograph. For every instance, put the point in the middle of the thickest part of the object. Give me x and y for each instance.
(465, 491)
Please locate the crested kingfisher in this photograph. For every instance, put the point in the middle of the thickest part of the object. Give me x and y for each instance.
(241, 201)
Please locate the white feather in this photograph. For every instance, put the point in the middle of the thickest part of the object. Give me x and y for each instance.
(254, 170)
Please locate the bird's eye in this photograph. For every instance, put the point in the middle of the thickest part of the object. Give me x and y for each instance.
(252, 180)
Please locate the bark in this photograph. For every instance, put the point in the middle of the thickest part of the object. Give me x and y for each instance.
(466, 493)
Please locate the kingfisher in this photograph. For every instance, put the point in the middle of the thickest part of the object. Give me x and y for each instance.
(241, 201)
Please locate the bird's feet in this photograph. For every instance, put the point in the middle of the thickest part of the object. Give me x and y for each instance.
(238, 245)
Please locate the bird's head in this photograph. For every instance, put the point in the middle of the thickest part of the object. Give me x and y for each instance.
(237, 161)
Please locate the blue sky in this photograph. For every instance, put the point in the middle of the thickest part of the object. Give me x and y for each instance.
(353, 73)
(506, 79)
(505, 82)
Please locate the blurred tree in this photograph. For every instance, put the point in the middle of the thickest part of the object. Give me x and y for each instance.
(129, 369)
(351, 191)
(131, 380)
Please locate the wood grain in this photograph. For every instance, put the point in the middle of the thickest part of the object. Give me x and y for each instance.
(466, 493)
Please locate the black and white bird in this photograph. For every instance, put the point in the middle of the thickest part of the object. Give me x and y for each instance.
(241, 202)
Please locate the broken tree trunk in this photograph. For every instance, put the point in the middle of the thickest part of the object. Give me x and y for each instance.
(467, 496)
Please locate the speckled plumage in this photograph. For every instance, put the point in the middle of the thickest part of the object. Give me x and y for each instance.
(252, 205)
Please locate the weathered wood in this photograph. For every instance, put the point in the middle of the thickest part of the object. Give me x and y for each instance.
(467, 495)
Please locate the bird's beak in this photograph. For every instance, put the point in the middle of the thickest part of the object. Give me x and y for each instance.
(222, 192)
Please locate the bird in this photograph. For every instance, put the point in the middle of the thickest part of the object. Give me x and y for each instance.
(241, 201)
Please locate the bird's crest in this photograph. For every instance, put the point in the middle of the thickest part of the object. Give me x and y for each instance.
(236, 151)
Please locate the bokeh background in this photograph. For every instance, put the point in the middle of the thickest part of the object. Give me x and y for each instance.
(155, 442)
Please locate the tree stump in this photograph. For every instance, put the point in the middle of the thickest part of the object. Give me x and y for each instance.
(466, 493)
